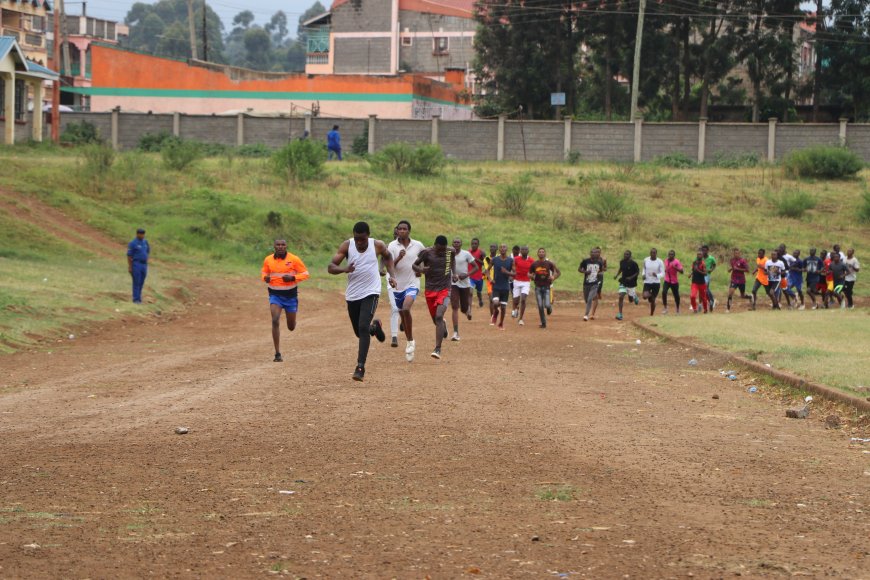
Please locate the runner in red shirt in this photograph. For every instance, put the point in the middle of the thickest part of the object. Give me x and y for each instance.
(477, 278)
(522, 282)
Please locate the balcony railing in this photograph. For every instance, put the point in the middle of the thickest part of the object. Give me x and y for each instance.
(317, 58)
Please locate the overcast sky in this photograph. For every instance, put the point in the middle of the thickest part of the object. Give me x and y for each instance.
(227, 9)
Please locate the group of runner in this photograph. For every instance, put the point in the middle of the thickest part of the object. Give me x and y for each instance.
(830, 276)
(455, 277)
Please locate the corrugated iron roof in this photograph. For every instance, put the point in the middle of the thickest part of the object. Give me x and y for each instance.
(8, 45)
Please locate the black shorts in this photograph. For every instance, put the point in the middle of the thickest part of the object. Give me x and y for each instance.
(651, 290)
(736, 286)
(459, 298)
(502, 295)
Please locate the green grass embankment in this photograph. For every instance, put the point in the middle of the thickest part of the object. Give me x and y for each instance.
(217, 219)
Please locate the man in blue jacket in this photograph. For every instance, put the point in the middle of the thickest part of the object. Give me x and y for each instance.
(333, 143)
(138, 251)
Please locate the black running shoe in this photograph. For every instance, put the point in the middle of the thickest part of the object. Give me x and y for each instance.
(278, 357)
(377, 331)
(394, 342)
(549, 310)
(359, 373)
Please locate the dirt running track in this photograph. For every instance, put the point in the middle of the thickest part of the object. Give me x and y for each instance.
(438, 469)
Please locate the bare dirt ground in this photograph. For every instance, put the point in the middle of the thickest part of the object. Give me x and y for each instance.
(566, 452)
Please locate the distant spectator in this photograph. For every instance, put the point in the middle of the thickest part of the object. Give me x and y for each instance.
(333, 143)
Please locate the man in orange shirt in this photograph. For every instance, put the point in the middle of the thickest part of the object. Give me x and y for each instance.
(281, 271)
(761, 280)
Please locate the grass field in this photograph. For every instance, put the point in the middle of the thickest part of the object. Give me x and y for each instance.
(826, 346)
(218, 218)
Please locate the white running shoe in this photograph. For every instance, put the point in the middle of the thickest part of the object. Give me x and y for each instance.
(665, 311)
(521, 323)
(585, 319)
(515, 313)
(802, 307)
(455, 337)
(409, 351)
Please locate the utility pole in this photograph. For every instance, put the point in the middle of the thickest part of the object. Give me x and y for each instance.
(192, 25)
(204, 32)
(67, 63)
(635, 77)
(55, 89)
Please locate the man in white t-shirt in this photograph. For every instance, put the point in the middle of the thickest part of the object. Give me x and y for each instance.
(460, 290)
(854, 266)
(405, 252)
(653, 274)
(775, 270)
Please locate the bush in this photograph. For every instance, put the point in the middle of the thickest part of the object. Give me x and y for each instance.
(675, 161)
(737, 160)
(864, 208)
(428, 160)
(793, 204)
(98, 158)
(81, 133)
(179, 155)
(154, 142)
(254, 150)
(608, 203)
(360, 146)
(300, 160)
(405, 158)
(573, 157)
(514, 198)
(823, 162)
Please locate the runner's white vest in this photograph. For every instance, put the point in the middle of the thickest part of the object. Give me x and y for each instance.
(365, 280)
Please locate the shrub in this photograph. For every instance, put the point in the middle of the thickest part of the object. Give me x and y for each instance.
(300, 160)
(514, 198)
(154, 142)
(608, 203)
(427, 160)
(81, 133)
(98, 158)
(675, 161)
(253, 150)
(823, 162)
(737, 160)
(793, 204)
(179, 155)
(864, 208)
(405, 158)
(573, 157)
(360, 145)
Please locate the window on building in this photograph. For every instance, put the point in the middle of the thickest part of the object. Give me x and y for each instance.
(37, 23)
(440, 45)
(407, 41)
(20, 99)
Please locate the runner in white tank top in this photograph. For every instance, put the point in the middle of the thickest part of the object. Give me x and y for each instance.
(363, 287)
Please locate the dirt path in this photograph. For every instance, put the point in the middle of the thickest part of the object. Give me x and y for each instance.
(441, 469)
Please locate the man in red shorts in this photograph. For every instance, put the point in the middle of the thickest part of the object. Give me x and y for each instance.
(438, 263)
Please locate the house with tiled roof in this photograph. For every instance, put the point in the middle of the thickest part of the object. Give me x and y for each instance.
(21, 80)
(377, 37)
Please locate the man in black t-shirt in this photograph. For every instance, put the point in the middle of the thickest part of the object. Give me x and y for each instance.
(592, 269)
(629, 270)
(544, 273)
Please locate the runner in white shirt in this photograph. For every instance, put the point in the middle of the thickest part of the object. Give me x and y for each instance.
(460, 291)
(363, 287)
(775, 271)
(405, 252)
(852, 277)
(653, 273)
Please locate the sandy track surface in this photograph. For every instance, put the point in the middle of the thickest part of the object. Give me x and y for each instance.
(436, 468)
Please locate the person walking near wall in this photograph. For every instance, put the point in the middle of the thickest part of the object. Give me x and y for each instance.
(138, 251)
(333, 143)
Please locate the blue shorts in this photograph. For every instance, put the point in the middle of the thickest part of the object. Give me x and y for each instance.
(477, 284)
(400, 296)
(288, 304)
(796, 283)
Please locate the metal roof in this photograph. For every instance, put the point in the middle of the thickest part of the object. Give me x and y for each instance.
(8, 45)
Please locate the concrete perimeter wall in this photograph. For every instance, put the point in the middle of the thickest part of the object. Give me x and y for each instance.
(494, 140)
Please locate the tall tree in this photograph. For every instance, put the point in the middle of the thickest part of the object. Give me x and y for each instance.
(150, 23)
(844, 51)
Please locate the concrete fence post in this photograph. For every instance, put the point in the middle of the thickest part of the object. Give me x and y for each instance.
(638, 139)
(499, 154)
(372, 123)
(567, 142)
(36, 118)
(435, 127)
(116, 112)
(9, 107)
(771, 139)
(702, 139)
(843, 122)
(308, 124)
(240, 129)
(176, 124)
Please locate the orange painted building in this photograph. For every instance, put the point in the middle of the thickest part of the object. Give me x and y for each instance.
(137, 82)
